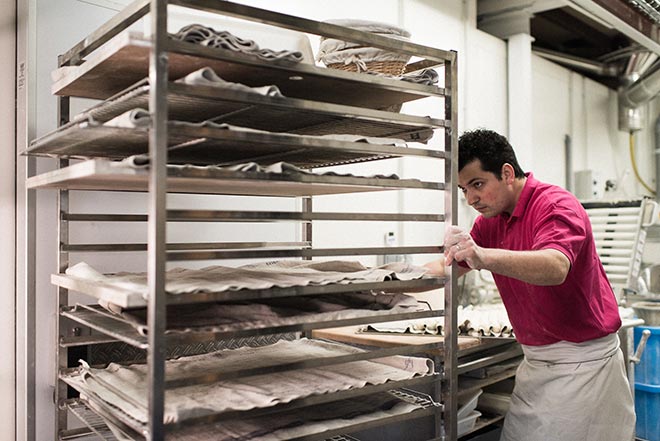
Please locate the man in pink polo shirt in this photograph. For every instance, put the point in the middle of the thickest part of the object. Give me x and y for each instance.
(537, 241)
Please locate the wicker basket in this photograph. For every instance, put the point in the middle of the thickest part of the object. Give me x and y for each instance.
(386, 67)
(395, 68)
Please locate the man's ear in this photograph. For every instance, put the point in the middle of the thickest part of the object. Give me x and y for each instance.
(508, 174)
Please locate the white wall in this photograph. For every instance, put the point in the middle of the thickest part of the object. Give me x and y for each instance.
(551, 120)
(564, 103)
(57, 25)
(7, 213)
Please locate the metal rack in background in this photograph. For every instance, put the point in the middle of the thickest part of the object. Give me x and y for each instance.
(619, 229)
(105, 66)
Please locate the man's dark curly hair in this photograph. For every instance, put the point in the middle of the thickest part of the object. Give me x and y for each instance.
(489, 147)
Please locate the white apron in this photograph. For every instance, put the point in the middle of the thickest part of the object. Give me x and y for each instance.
(571, 392)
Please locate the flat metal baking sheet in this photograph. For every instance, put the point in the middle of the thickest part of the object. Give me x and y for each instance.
(125, 60)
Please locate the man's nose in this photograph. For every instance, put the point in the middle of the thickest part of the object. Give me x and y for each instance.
(471, 197)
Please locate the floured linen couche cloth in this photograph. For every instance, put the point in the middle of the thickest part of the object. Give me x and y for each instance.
(207, 36)
(291, 424)
(281, 168)
(280, 274)
(480, 321)
(126, 387)
(237, 315)
(140, 118)
(428, 77)
(207, 77)
(300, 422)
(258, 314)
(132, 119)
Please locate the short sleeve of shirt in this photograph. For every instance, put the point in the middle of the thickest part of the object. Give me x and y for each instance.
(560, 227)
(559, 224)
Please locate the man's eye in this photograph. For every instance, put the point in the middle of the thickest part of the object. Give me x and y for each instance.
(478, 184)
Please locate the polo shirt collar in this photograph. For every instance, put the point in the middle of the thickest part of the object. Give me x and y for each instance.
(525, 196)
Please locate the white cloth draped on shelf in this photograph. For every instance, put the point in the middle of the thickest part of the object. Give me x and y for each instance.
(300, 422)
(485, 321)
(281, 168)
(125, 387)
(207, 77)
(282, 274)
(372, 26)
(237, 315)
(288, 425)
(132, 119)
(207, 36)
(428, 77)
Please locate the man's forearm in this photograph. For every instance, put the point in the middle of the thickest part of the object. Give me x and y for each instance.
(547, 267)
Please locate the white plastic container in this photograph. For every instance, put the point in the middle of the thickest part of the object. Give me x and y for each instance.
(467, 407)
(466, 424)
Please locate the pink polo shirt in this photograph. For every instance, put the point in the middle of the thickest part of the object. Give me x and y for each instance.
(580, 309)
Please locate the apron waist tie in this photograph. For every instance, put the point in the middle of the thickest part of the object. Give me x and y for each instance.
(564, 352)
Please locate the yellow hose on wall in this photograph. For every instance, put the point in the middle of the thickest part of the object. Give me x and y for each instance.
(634, 164)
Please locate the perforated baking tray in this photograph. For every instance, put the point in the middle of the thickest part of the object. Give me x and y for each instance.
(204, 145)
